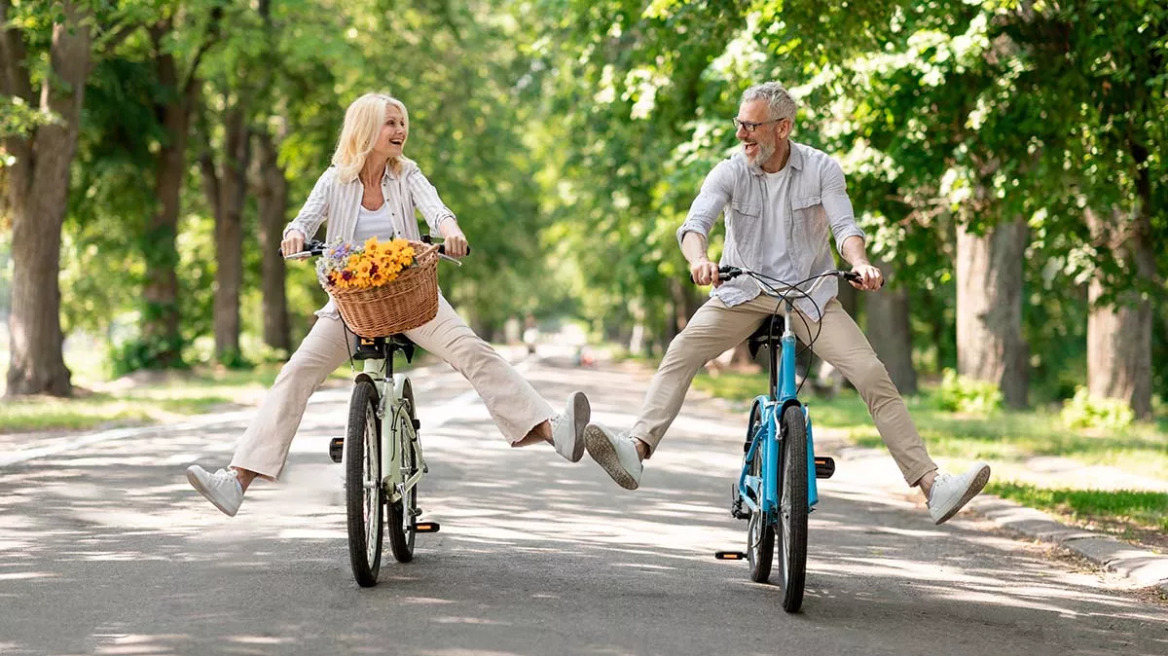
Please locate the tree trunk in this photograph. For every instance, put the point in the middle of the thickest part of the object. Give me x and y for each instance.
(1119, 334)
(232, 188)
(272, 193)
(989, 309)
(38, 194)
(161, 316)
(890, 332)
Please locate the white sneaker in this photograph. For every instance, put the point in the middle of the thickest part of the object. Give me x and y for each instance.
(951, 492)
(221, 488)
(616, 454)
(568, 428)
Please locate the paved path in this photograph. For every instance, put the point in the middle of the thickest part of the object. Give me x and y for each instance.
(104, 549)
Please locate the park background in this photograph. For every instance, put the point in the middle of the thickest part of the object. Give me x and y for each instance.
(1005, 158)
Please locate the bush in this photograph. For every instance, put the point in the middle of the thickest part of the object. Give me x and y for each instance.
(1085, 411)
(961, 394)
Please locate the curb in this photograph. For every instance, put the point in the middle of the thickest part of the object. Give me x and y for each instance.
(1142, 567)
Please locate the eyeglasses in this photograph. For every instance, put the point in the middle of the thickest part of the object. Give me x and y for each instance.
(750, 126)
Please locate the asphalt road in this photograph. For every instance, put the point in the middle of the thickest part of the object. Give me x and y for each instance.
(104, 549)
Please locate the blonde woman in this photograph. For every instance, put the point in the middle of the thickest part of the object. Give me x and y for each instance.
(372, 189)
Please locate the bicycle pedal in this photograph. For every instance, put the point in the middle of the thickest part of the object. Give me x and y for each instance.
(427, 527)
(729, 555)
(336, 448)
(824, 467)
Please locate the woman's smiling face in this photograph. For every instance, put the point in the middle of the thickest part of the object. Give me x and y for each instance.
(392, 137)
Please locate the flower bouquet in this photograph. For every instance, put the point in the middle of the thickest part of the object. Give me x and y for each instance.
(381, 288)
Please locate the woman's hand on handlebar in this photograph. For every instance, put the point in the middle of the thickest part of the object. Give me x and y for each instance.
(704, 272)
(870, 278)
(293, 243)
(455, 244)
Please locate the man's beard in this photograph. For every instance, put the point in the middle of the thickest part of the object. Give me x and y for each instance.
(764, 153)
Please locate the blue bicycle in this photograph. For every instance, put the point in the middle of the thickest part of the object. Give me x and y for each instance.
(776, 489)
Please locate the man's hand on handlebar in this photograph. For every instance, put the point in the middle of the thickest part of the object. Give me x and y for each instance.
(870, 278)
(705, 272)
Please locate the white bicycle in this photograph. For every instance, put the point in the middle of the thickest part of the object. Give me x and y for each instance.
(382, 454)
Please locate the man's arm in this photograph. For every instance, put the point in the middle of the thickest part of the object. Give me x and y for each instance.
(854, 252)
(693, 233)
(704, 272)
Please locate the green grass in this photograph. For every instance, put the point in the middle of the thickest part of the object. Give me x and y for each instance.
(1006, 437)
(175, 394)
(1148, 510)
(1003, 436)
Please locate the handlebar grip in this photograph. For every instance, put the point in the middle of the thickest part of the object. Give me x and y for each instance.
(442, 249)
(310, 248)
(725, 273)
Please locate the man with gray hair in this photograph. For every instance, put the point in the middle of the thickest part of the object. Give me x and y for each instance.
(780, 199)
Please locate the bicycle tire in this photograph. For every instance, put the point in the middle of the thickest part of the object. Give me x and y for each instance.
(793, 509)
(364, 498)
(760, 534)
(403, 515)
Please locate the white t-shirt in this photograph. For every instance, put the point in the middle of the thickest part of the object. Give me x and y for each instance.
(373, 223)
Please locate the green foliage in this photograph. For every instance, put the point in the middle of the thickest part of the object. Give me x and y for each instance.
(140, 353)
(965, 395)
(1086, 411)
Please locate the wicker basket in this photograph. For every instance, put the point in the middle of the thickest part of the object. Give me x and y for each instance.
(404, 304)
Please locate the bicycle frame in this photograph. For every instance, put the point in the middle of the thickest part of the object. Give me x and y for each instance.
(766, 444)
(391, 403)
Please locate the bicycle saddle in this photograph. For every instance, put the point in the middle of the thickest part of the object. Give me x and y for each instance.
(763, 336)
(381, 348)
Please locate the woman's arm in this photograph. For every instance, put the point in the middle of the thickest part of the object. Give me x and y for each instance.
(315, 210)
(437, 215)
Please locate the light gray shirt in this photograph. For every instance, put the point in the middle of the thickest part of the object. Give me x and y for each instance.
(339, 203)
(778, 230)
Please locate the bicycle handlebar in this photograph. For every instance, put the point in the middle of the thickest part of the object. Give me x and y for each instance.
(727, 272)
(316, 247)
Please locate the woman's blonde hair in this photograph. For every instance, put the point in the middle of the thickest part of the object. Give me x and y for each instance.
(363, 121)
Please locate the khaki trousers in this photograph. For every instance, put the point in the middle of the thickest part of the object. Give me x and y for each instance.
(513, 403)
(715, 328)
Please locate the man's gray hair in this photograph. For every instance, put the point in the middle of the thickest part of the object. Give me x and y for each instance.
(781, 104)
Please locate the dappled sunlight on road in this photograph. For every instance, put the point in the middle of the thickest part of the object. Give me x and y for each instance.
(526, 539)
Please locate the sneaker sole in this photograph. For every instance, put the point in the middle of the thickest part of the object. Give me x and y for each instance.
(193, 479)
(581, 415)
(604, 454)
(975, 487)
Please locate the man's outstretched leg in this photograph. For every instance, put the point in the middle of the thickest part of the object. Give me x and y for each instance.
(841, 343)
(712, 329)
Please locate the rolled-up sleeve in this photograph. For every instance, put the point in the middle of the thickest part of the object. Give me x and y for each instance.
(316, 208)
(711, 200)
(426, 199)
(837, 205)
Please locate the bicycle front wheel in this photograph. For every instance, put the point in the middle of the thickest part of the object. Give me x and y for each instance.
(403, 513)
(793, 509)
(363, 493)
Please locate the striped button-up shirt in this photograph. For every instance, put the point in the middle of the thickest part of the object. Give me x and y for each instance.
(793, 244)
(339, 202)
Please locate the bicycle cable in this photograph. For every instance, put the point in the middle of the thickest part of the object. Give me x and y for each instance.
(793, 290)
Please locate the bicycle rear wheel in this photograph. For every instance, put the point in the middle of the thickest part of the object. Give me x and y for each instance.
(793, 509)
(403, 513)
(760, 534)
(363, 494)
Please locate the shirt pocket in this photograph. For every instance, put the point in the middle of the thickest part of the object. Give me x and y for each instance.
(745, 210)
(809, 229)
